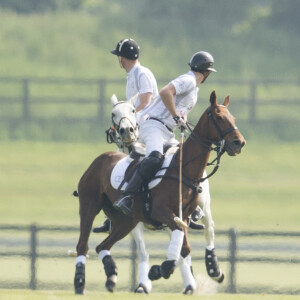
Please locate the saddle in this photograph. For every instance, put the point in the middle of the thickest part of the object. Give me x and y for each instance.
(124, 170)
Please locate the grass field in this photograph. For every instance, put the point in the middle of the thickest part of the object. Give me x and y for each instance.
(256, 190)
(51, 295)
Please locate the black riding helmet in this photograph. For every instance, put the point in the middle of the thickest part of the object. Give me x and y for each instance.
(127, 48)
(202, 61)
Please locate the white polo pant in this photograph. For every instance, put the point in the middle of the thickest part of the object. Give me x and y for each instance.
(155, 135)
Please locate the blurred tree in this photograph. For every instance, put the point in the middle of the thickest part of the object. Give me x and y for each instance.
(39, 6)
(285, 14)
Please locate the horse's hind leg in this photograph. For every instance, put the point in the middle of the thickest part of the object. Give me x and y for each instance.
(119, 230)
(145, 284)
(185, 265)
(89, 208)
(211, 260)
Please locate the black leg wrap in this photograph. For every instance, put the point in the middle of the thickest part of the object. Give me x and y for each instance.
(154, 273)
(212, 266)
(109, 266)
(111, 272)
(79, 279)
(167, 268)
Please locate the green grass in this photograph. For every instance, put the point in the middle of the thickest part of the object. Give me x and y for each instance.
(256, 190)
(58, 295)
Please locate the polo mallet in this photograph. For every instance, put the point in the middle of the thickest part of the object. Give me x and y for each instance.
(179, 220)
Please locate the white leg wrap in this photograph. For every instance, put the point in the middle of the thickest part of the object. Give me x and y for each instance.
(143, 275)
(103, 253)
(80, 259)
(175, 245)
(188, 260)
(187, 276)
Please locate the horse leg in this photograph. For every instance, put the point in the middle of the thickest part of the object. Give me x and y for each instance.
(211, 260)
(119, 230)
(145, 284)
(89, 208)
(166, 216)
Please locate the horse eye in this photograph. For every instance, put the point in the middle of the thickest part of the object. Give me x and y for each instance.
(219, 118)
(113, 115)
(133, 110)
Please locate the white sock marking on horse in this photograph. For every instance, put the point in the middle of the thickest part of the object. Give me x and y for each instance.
(175, 245)
(103, 253)
(80, 259)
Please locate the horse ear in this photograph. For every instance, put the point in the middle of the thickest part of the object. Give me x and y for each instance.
(114, 100)
(133, 99)
(213, 98)
(226, 101)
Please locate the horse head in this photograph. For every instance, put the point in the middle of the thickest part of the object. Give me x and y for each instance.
(219, 126)
(124, 119)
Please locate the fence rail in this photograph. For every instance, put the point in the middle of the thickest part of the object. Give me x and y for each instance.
(234, 252)
(28, 93)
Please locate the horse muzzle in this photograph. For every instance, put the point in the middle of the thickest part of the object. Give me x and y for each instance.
(128, 135)
(234, 147)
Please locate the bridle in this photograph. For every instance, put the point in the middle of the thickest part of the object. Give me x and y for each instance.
(207, 142)
(117, 125)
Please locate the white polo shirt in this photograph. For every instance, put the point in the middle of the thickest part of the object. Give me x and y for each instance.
(140, 80)
(185, 99)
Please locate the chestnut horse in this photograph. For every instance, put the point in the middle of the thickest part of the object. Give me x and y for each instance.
(215, 126)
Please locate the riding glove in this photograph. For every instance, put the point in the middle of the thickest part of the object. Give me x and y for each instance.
(180, 122)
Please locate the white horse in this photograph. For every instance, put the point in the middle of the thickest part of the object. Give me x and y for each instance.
(125, 134)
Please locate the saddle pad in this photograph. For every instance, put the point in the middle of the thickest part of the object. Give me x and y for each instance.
(117, 174)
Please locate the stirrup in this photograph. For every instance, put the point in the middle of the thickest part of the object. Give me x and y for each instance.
(124, 204)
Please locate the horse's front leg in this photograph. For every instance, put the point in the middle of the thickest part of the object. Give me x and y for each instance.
(211, 260)
(166, 216)
(145, 284)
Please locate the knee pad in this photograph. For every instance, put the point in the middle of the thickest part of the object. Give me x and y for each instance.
(151, 164)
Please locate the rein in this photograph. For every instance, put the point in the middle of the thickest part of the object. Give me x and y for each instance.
(207, 143)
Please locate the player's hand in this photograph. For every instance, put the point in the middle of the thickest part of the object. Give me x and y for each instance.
(180, 123)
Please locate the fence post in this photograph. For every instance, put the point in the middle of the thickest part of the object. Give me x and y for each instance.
(25, 99)
(252, 104)
(101, 101)
(133, 264)
(33, 256)
(232, 260)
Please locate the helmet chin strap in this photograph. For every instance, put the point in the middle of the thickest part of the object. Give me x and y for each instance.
(205, 74)
(120, 62)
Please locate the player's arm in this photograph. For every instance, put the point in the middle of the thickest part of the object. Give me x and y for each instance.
(144, 101)
(167, 94)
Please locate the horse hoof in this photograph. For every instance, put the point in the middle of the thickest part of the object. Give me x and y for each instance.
(141, 289)
(111, 283)
(221, 278)
(188, 290)
(167, 268)
(154, 273)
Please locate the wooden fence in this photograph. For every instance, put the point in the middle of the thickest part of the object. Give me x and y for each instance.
(36, 244)
(29, 99)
